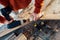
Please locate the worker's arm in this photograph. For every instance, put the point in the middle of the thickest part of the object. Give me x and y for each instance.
(38, 6)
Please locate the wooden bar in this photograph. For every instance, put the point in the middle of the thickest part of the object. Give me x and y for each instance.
(5, 32)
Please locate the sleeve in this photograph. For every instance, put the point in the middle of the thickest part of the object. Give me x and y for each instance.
(38, 6)
(4, 2)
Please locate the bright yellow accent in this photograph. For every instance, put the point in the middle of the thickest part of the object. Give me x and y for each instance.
(35, 25)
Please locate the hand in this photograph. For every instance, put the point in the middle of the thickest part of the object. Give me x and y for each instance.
(34, 16)
(37, 16)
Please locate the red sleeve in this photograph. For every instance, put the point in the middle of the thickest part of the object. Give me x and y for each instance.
(2, 19)
(4, 2)
(37, 6)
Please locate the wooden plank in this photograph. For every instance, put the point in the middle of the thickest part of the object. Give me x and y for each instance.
(51, 17)
(5, 32)
(21, 37)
